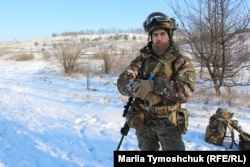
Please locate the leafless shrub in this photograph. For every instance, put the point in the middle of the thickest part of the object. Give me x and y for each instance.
(120, 65)
(68, 53)
(106, 53)
(25, 57)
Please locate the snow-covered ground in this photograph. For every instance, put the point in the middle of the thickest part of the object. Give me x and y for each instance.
(47, 119)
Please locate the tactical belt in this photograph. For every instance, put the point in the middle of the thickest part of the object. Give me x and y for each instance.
(163, 122)
(164, 111)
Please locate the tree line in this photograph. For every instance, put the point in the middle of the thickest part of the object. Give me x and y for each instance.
(216, 33)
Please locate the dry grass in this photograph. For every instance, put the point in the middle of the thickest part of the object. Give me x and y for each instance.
(24, 57)
(234, 98)
(121, 64)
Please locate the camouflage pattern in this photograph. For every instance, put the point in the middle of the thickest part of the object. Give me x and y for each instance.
(128, 76)
(179, 89)
(169, 137)
(174, 82)
(217, 127)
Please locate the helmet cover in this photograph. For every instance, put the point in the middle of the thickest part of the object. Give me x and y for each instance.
(158, 20)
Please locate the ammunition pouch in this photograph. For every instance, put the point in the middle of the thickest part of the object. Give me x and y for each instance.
(159, 116)
(182, 120)
(170, 116)
(164, 111)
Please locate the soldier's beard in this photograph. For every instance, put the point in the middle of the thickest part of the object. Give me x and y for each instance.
(160, 49)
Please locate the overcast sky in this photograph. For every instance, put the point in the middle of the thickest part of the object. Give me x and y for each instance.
(40, 18)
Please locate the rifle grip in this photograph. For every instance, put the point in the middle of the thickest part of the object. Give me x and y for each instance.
(125, 129)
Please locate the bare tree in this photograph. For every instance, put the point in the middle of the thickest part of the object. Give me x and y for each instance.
(213, 29)
(68, 53)
(106, 53)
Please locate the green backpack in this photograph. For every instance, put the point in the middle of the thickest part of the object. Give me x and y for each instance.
(218, 125)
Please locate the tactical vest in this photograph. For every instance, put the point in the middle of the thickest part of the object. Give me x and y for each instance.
(157, 67)
(152, 65)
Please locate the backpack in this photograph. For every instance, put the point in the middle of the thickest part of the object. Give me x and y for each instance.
(218, 125)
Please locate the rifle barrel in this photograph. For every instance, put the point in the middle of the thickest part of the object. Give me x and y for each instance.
(118, 147)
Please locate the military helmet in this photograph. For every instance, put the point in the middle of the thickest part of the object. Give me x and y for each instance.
(158, 20)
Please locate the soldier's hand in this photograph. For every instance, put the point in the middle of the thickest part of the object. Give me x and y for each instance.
(141, 88)
(135, 120)
(152, 98)
(133, 71)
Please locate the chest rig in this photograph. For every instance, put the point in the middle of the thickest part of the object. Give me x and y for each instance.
(153, 66)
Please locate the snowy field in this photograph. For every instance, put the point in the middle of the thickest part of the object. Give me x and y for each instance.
(47, 119)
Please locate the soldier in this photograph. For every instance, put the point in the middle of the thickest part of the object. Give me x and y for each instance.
(160, 79)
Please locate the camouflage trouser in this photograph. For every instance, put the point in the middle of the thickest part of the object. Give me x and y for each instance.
(150, 137)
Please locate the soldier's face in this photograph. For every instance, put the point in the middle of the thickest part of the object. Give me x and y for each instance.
(160, 36)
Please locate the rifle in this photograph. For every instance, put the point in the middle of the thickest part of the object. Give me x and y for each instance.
(125, 128)
(244, 138)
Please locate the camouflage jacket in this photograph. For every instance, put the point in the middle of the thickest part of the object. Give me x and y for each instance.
(174, 75)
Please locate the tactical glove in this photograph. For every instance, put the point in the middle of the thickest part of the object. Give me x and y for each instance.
(132, 72)
(133, 69)
(152, 98)
(135, 120)
(141, 88)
